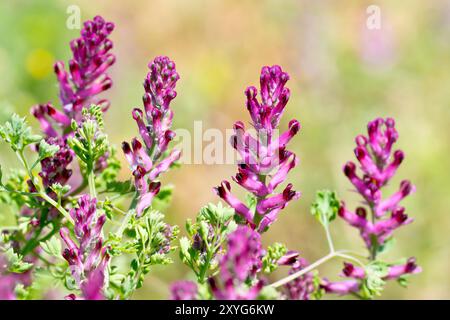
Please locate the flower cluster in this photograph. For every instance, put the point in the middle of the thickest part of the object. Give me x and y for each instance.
(86, 78)
(86, 254)
(302, 287)
(239, 265)
(264, 156)
(78, 90)
(358, 274)
(56, 169)
(88, 140)
(378, 164)
(148, 160)
(222, 247)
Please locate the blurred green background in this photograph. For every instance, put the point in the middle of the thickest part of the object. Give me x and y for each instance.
(342, 76)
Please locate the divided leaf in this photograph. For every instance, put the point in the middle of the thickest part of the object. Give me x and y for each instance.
(325, 207)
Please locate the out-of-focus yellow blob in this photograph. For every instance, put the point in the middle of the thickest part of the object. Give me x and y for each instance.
(39, 63)
(213, 72)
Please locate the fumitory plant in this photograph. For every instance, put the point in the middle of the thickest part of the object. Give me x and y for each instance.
(83, 232)
(68, 188)
(223, 247)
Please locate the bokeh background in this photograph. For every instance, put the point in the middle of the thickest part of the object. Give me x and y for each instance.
(342, 76)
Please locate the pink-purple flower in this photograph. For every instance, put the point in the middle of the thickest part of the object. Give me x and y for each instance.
(378, 164)
(377, 221)
(85, 252)
(149, 159)
(300, 288)
(56, 169)
(86, 78)
(356, 274)
(238, 266)
(265, 162)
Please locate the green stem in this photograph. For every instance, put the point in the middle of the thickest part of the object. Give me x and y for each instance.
(57, 206)
(141, 259)
(309, 268)
(125, 220)
(40, 192)
(373, 248)
(329, 239)
(209, 256)
(205, 267)
(313, 266)
(29, 194)
(91, 181)
(117, 196)
(134, 201)
(33, 242)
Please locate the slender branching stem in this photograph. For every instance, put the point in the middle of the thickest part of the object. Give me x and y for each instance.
(125, 220)
(40, 192)
(329, 239)
(91, 182)
(336, 254)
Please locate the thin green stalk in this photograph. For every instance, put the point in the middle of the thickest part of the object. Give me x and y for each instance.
(332, 254)
(134, 201)
(309, 268)
(40, 192)
(125, 220)
(312, 266)
(57, 206)
(29, 194)
(91, 181)
(209, 256)
(329, 239)
(373, 248)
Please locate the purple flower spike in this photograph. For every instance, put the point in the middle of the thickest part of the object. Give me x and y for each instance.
(85, 79)
(274, 97)
(159, 92)
(240, 264)
(160, 85)
(183, 290)
(378, 165)
(357, 274)
(149, 159)
(87, 69)
(85, 253)
(265, 162)
(377, 221)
